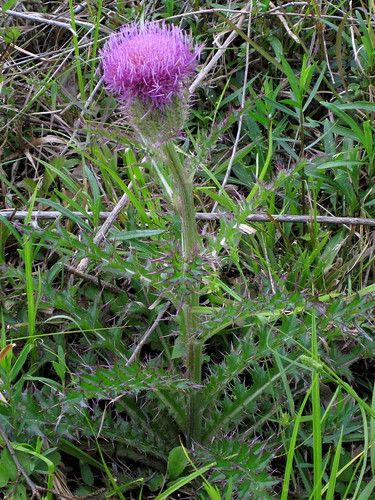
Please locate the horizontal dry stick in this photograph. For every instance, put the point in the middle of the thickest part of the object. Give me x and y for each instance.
(304, 219)
(296, 219)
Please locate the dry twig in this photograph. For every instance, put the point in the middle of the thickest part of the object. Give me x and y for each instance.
(101, 234)
(93, 279)
(207, 68)
(146, 335)
(262, 218)
(43, 19)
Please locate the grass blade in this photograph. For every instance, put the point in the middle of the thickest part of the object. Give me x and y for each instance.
(316, 414)
(335, 466)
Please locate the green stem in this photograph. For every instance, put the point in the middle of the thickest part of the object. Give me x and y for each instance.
(183, 184)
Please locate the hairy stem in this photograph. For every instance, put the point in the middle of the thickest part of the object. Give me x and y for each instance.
(183, 184)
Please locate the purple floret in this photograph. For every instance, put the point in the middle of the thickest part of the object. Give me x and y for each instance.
(149, 62)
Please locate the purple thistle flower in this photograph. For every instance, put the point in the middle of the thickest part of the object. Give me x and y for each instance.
(149, 62)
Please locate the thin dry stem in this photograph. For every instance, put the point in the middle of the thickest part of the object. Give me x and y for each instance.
(206, 69)
(93, 279)
(16, 215)
(103, 230)
(146, 335)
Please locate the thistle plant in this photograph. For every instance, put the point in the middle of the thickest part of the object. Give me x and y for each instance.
(147, 68)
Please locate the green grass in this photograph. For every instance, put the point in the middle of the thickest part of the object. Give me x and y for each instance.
(285, 407)
(316, 414)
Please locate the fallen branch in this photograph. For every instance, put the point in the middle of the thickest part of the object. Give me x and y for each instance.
(294, 219)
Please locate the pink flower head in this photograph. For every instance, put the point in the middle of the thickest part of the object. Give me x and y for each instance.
(150, 62)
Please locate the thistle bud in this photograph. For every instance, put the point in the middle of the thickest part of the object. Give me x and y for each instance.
(147, 68)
